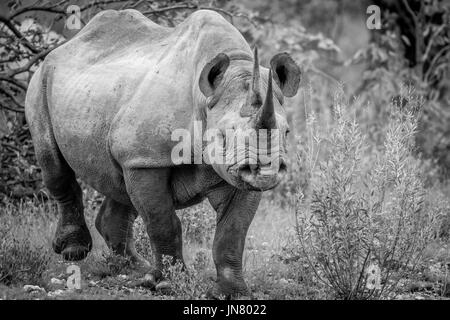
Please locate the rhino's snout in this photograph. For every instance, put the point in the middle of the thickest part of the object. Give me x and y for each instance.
(262, 176)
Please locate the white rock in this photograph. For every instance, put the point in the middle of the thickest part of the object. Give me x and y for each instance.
(31, 288)
(57, 281)
(93, 283)
(163, 285)
(149, 277)
(55, 293)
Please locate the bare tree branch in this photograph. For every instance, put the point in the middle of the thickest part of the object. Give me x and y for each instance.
(4, 105)
(12, 98)
(99, 3)
(431, 42)
(30, 63)
(188, 6)
(8, 23)
(55, 8)
(58, 8)
(13, 81)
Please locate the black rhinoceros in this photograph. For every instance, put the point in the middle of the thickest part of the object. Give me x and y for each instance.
(103, 105)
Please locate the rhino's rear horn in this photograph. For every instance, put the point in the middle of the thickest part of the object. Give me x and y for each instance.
(265, 118)
(256, 99)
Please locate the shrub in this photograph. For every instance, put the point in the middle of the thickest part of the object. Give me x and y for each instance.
(110, 265)
(21, 262)
(187, 282)
(363, 224)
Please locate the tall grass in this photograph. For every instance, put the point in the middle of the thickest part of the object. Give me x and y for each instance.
(24, 242)
(362, 224)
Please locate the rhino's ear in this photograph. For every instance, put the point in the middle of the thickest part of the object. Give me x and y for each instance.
(212, 74)
(286, 73)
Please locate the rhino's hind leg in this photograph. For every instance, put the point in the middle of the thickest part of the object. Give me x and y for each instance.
(115, 223)
(72, 238)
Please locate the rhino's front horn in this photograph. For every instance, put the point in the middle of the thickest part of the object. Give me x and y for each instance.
(265, 118)
(256, 99)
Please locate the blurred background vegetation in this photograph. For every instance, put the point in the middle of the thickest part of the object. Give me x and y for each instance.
(349, 72)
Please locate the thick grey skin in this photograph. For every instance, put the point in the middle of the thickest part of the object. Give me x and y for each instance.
(93, 107)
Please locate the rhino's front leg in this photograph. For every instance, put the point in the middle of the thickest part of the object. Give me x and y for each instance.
(235, 210)
(151, 196)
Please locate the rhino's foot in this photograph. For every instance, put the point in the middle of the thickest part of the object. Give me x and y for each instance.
(73, 242)
(226, 291)
(75, 253)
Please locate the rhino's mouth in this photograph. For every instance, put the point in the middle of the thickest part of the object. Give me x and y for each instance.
(258, 176)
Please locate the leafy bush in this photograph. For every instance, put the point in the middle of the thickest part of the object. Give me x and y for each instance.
(365, 212)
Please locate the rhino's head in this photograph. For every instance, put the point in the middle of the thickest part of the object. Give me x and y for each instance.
(246, 115)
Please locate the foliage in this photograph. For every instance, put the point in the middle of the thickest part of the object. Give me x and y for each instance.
(413, 46)
(360, 214)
